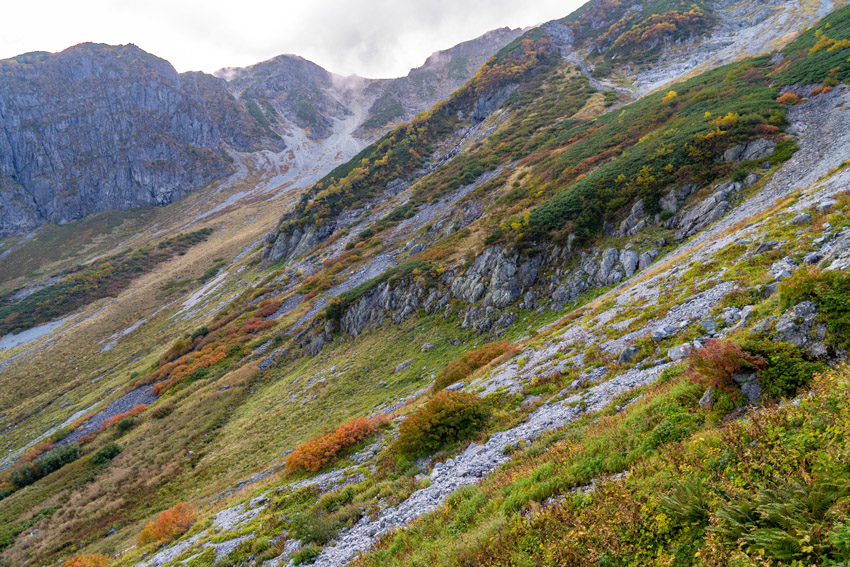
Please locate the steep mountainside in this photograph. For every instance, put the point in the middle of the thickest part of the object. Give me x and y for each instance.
(590, 309)
(99, 127)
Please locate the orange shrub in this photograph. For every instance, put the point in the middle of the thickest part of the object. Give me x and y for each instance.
(116, 418)
(471, 361)
(37, 451)
(789, 98)
(766, 129)
(87, 561)
(169, 524)
(320, 451)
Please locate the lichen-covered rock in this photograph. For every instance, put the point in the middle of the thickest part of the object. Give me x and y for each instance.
(799, 326)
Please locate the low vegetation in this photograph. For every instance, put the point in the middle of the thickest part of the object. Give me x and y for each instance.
(448, 418)
(472, 360)
(168, 525)
(323, 450)
(80, 286)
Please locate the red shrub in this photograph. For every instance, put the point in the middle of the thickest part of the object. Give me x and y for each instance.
(719, 360)
(269, 308)
(320, 451)
(115, 419)
(170, 524)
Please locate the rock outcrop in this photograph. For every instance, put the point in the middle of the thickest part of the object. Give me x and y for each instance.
(98, 127)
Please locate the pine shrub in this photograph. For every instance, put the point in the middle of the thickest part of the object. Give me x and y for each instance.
(448, 418)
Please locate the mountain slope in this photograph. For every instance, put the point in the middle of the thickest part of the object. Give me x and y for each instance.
(565, 301)
(98, 127)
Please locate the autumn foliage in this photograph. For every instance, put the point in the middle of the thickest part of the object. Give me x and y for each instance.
(137, 409)
(471, 361)
(169, 524)
(321, 451)
(87, 561)
(789, 98)
(719, 360)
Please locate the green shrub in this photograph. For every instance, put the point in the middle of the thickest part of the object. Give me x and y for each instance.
(830, 291)
(162, 411)
(106, 454)
(125, 425)
(448, 418)
(787, 367)
(54, 460)
(314, 526)
(306, 554)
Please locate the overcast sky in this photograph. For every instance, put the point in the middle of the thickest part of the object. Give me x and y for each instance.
(372, 38)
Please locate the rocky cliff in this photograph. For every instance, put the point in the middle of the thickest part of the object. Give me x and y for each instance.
(98, 127)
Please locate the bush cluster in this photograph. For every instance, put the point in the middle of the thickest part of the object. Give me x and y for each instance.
(169, 524)
(448, 418)
(106, 454)
(54, 460)
(471, 361)
(321, 451)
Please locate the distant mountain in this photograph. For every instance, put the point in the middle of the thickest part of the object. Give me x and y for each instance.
(100, 127)
(290, 89)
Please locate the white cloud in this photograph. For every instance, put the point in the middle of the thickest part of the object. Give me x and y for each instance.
(373, 38)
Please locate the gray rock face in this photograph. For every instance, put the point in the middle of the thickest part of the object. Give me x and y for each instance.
(799, 327)
(674, 200)
(630, 260)
(757, 149)
(97, 127)
(606, 275)
(704, 213)
(635, 222)
(492, 279)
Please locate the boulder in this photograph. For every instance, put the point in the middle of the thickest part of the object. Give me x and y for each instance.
(750, 386)
(755, 150)
(403, 366)
(678, 353)
(628, 354)
(826, 205)
(799, 326)
(663, 332)
(706, 402)
(802, 218)
(758, 149)
(647, 258)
